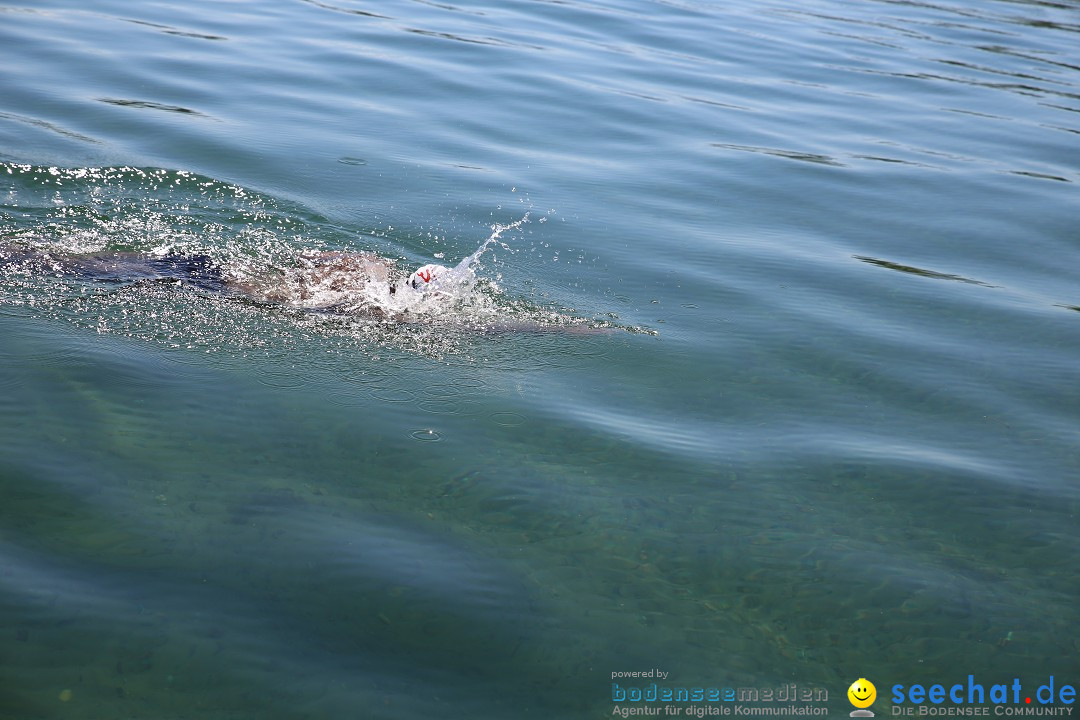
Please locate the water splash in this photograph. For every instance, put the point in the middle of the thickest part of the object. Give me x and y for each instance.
(454, 295)
(459, 281)
(463, 268)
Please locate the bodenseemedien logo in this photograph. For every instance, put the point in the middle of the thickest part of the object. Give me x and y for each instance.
(862, 694)
(660, 695)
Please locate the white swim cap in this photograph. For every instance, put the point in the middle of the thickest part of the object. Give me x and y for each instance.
(419, 280)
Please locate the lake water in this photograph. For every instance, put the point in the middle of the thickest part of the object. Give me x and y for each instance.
(831, 429)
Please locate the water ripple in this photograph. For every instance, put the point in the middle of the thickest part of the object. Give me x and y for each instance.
(150, 105)
(166, 29)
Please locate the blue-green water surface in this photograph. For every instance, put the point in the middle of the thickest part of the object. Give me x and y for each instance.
(830, 430)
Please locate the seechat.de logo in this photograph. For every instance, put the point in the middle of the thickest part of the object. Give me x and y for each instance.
(973, 698)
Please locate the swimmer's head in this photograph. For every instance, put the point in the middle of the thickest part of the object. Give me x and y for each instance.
(423, 277)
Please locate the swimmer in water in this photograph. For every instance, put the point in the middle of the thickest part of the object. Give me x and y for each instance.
(358, 284)
(353, 283)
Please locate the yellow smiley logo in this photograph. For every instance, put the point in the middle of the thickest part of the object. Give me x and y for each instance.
(862, 693)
